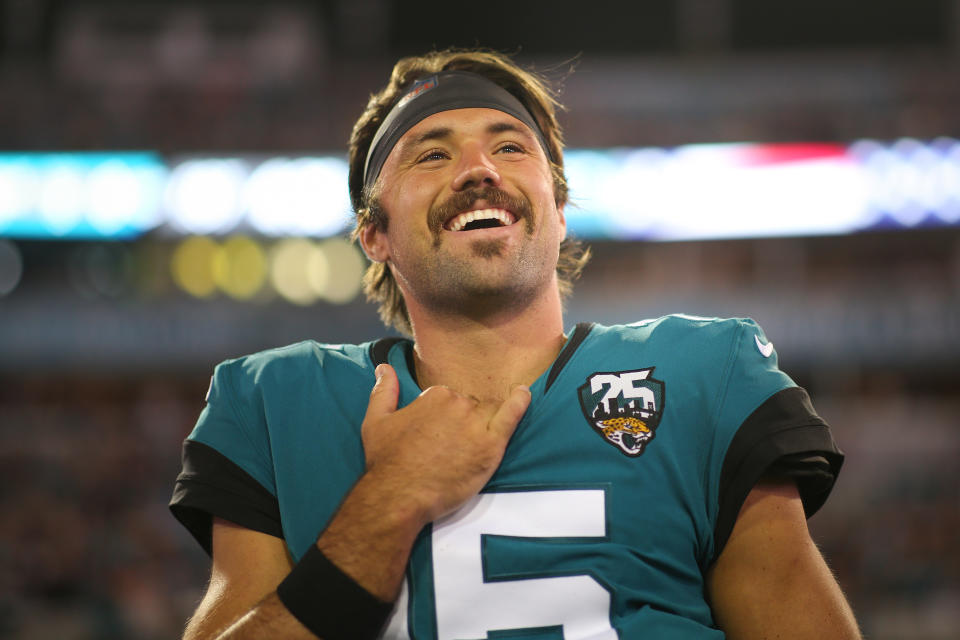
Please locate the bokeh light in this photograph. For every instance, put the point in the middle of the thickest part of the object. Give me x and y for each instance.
(341, 281)
(11, 267)
(291, 261)
(101, 270)
(240, 267)
(192, 266)
(298, 197)
(119, 194)
(202, 195)
(19, 185)
(62, 199)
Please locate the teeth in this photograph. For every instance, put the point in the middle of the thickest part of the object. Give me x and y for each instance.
(464, 219)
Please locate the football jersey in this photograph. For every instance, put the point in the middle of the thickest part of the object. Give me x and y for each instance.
(616, 492)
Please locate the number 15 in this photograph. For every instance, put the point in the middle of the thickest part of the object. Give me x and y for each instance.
(467, 608)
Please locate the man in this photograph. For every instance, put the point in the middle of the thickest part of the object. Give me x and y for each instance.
(495, 477)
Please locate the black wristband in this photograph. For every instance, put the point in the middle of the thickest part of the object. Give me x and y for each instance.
(329, 602)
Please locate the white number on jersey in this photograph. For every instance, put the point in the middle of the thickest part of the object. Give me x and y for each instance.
(467, 608)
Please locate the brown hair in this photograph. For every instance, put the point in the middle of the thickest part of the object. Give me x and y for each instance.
(532, 90)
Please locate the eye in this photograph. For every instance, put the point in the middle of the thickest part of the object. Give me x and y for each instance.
(434, 154)
(511, 147)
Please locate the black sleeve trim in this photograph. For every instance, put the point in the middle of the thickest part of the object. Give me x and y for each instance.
(210, 484)
(784, 437)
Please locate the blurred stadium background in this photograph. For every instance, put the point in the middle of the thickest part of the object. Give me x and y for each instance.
(172, 193)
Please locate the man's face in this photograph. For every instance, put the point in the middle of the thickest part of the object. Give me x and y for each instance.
(472, 219)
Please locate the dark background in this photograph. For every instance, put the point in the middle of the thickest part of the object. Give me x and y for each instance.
(104, 362)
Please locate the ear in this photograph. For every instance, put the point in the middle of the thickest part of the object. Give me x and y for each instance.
(563, 221)
(374, 243)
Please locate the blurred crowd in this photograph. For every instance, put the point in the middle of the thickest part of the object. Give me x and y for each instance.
(89, 548)
(889, 530)
(90, 551)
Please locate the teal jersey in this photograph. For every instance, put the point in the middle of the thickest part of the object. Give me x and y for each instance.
(615, 495)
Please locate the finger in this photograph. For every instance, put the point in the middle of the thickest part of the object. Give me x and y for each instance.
(507, 417)
(386, 391)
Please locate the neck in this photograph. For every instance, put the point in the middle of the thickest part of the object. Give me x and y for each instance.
(486, 358)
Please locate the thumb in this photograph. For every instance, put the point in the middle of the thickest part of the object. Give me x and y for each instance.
(386, 391)
(508, 416)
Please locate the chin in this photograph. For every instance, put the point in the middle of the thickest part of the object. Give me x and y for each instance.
(489, 248)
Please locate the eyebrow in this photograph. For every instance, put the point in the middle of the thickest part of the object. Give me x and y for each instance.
(502, 127)
(439, 133)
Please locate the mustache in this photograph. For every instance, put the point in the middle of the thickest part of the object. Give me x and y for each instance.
(464, 201)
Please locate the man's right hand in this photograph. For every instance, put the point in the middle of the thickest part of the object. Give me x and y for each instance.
(423, 461)
(439, 450)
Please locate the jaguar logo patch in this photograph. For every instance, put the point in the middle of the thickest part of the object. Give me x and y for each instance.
(623, 408)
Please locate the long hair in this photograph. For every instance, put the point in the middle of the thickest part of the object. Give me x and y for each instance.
(532, 90)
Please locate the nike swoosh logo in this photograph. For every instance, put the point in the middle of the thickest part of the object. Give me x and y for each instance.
(765, 349)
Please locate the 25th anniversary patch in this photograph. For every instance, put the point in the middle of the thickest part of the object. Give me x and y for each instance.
(623, 407)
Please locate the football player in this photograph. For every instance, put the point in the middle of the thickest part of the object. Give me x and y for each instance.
(493, 474)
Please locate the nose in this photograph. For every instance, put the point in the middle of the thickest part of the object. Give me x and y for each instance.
(474, 170)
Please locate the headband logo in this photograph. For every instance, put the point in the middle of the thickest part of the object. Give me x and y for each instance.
(419, 87)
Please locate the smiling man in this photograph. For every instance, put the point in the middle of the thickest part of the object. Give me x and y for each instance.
(494, 475)
(491, 235)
